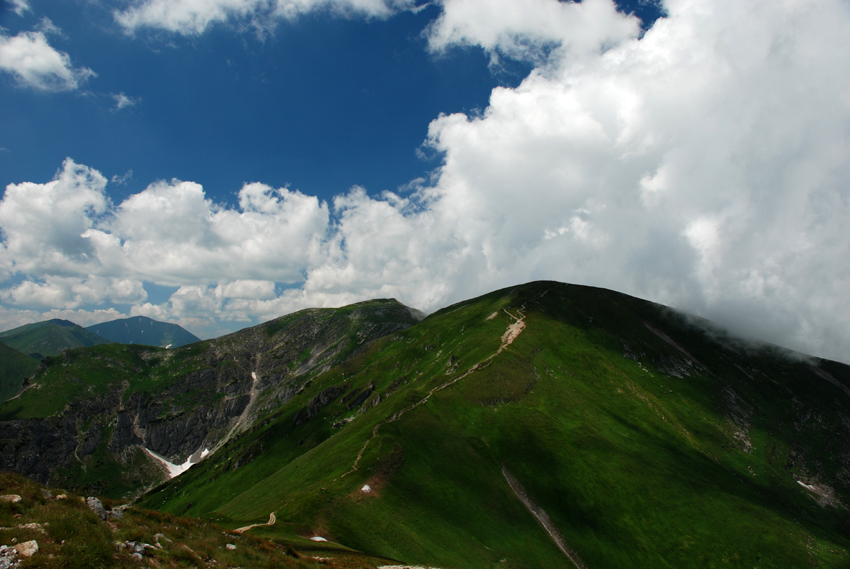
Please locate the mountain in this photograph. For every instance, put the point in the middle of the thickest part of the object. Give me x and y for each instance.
(94, 419)
(49, 338)
(550, 425)
(145, 331)
(543, 425)
(15, 367)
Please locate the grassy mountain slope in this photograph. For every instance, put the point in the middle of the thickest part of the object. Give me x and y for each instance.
(145, 331)
(15, 367)
(647, 441)
(49, 338)
(83, 420)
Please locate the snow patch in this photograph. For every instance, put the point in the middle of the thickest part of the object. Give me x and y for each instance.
(366, 489)
(317, 538)
(175, 470)
(806, 486)
(254, 375)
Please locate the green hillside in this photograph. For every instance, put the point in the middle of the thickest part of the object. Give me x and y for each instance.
(15, 367)
(49, 338)
(638, 438)
(145, 331)
(86, 417)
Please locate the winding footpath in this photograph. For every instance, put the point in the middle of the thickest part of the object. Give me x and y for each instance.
(512, 333)
(271, 522)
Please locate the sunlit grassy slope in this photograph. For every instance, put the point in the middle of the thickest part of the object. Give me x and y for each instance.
(648, 441)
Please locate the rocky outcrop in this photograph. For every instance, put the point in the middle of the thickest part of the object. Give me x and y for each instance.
(36, 447)
(319, 402)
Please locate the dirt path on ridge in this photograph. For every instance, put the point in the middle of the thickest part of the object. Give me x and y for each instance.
(512, 333)
(271, 522)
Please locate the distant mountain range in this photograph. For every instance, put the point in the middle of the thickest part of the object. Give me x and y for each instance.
(543, 425)
(142, 330)
(22, 348)
(49, 338)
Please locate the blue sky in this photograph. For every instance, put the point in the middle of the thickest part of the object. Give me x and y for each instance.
(218, 163)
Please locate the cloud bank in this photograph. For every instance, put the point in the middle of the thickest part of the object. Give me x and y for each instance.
(703, 165)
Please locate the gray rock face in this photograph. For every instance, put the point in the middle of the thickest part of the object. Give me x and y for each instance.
(35, 447)
(318, 403)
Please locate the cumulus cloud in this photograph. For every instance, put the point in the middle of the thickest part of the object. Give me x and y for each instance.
(189, 17)
(528, 29)
(170, 233)
(34, 63)
(702, 165)
(72, 292)
(43, 224)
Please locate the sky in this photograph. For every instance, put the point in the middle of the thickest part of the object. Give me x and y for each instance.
(219, 163)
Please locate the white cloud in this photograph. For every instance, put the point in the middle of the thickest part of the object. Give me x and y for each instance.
(123, 179)
(71, 292)
(170, 233)
(20, 7)
(43, 224)
(122, 101)
(522, 29)
(193, 17)
(34, 63)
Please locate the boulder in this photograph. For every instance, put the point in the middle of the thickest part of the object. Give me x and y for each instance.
(96, 506)
(27, 548)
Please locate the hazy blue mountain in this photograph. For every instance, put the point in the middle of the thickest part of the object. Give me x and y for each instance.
(49, 338)
(142, 330)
